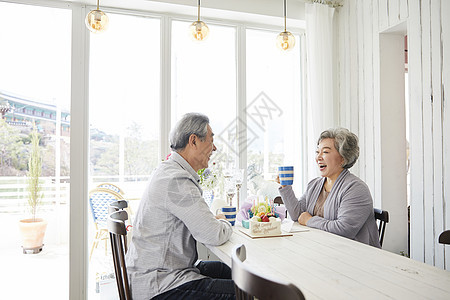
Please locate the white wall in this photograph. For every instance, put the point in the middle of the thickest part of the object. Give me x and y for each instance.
(367, 100)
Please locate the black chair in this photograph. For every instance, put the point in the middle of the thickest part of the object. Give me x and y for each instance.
(248, 285)
(278, 200)
(383, 217)
(117, 235)
(444, 237)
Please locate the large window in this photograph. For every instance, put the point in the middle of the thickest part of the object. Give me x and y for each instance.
(124, 122)
(120, 79)
(35, 66)
(204, 80)
(273, 105)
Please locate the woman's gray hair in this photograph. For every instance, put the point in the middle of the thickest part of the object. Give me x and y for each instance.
(190, 123)
(345, 142)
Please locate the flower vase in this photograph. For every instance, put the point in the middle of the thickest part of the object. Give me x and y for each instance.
(208, 196)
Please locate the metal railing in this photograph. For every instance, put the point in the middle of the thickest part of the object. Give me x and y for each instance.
(14, 194)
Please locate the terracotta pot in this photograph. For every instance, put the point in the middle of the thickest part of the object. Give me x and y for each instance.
(32, 234)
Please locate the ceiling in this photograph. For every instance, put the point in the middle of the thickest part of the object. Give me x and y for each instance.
(267, 11)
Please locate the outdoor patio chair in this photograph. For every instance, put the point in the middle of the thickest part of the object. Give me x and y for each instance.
(444, 237)
(117, 235)
(383, 217)
(249, 285)
(99, 200)
(110, 186)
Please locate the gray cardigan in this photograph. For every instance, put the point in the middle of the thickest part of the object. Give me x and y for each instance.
(171, 217)
(348, 210)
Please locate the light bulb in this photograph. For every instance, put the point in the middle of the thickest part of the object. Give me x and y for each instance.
(97, 21)
(285, 40)
(199, 30)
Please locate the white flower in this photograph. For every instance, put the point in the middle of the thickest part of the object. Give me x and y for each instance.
(208, 178)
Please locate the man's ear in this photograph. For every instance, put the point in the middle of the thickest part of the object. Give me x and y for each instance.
(192, 139)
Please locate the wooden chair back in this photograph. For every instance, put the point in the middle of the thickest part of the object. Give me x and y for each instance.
(117, 205)
(383, 217)
(278, 200)
(249, 285)
(117, 234)
(444, 237)
(121, 215)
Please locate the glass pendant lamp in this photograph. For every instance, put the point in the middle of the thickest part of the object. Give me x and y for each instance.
(96, 20)
(199, 30)
(285, 40)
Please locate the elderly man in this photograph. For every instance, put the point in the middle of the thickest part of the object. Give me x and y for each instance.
(171, 217)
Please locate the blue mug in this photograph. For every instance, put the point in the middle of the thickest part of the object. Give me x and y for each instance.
(229, 212)
(286, 175)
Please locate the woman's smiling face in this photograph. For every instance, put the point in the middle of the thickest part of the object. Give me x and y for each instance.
(328, 159)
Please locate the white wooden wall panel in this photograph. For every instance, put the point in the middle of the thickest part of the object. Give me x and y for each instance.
(445, 26)
(427, 132)
(344, 85)
(368, 143)
(404, 9)
(361, 96)
(376, 106)
(346, 97)
(429, 75)
(383, 14)
(436, 76)
(348, 76)
(416, 132)
(394, 12)
(354, 105)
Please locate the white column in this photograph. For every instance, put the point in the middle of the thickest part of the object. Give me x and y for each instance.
(59, 213)
(393, 141)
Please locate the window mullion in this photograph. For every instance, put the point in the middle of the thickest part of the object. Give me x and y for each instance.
(79, 141)
(165, 98)
(241, 84)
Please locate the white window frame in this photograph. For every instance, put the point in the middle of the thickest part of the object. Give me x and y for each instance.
(79, 136)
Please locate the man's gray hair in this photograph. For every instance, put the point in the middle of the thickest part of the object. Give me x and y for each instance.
(190, 123)
(345, 142)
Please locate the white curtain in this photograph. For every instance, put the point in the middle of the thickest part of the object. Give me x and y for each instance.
(319, 69)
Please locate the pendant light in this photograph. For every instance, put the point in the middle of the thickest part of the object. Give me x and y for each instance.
(96, 20)
(285, 40)
(199, 30)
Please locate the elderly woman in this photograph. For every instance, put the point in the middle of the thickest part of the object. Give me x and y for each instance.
(338, 201)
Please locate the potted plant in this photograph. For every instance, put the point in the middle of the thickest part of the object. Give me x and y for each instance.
(33, 229)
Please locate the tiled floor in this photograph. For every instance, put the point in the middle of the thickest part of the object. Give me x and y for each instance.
(44, 275)
(34, 276)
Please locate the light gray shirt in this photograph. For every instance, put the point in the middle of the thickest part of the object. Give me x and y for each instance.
(171, 217)
(348, 210)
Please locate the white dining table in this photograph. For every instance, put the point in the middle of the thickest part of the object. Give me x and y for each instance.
(327, 266)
